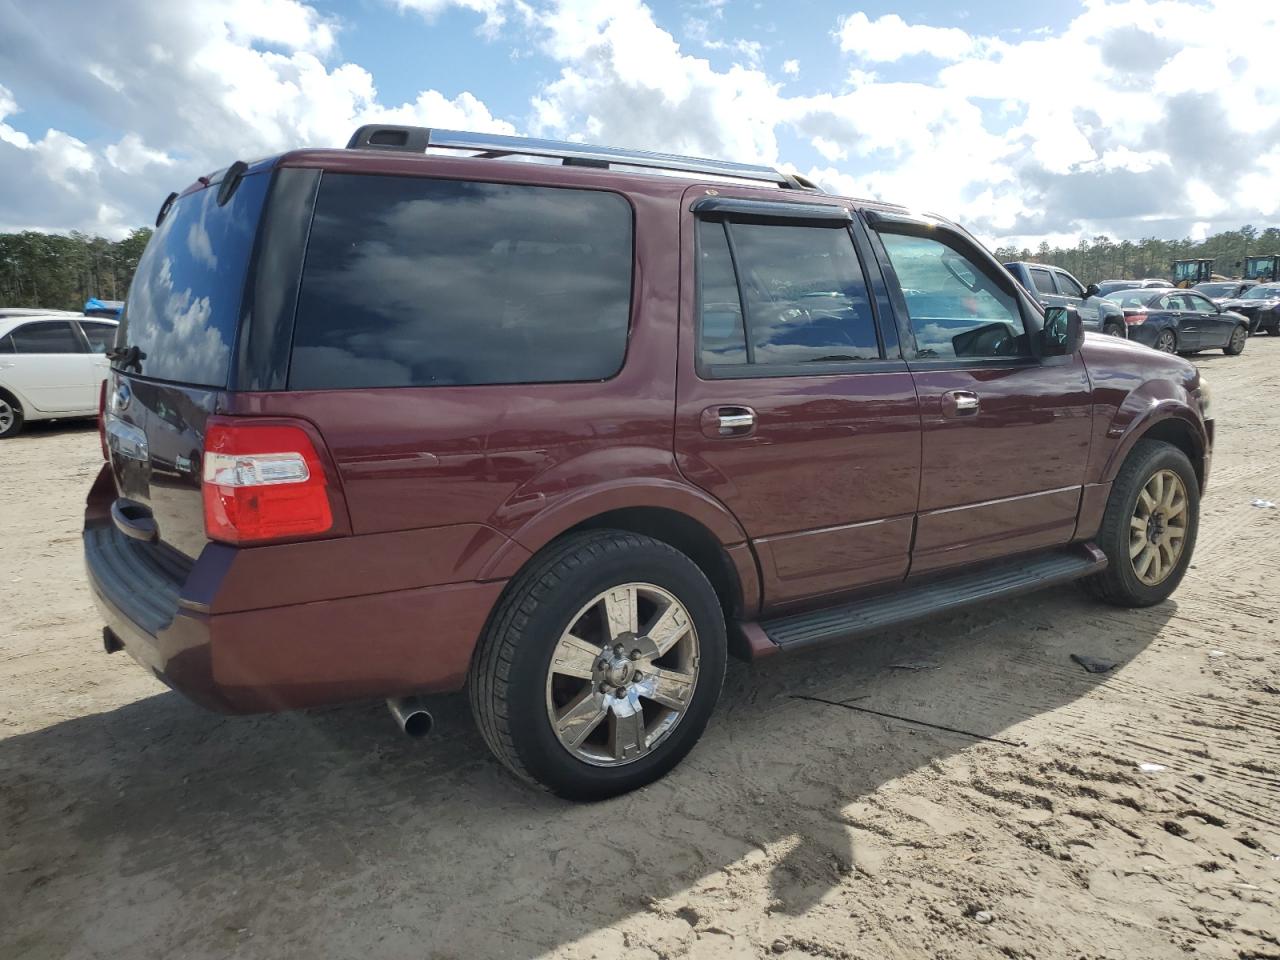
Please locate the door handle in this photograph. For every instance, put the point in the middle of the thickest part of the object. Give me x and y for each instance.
(735, 421)
(959, 403)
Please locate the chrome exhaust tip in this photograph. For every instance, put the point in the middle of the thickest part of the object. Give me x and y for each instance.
(412, 716)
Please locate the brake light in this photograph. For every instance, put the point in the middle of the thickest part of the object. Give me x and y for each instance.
(262, 482)
(102, 421)
(1135, 315)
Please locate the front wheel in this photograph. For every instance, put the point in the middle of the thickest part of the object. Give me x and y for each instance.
(1167, 342)
(1235, 346)
(1148, 530)
(601, 665)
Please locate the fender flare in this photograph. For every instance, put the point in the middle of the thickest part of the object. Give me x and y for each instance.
(1139, 423)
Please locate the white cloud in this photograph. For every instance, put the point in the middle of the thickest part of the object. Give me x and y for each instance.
(791, 68)
(890, 38)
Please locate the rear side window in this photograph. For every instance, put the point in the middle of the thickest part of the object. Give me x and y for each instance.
(1042, 280)
(417, 282)
(46, 337)
(804, 294)
(100, 335)
(184, 303)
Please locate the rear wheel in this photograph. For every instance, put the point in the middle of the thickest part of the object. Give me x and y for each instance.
(1235, 346)
(1148, 531)
(10, 415)
(1114, 330)
(1167, 342)
(601, 666)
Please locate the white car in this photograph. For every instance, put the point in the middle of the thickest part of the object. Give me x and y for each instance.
(51, 367)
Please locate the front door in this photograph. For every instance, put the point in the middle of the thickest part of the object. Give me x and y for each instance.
(1215, 328)
(1006, 435)
(795, 408)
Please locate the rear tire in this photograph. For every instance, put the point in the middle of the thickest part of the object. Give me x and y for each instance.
(554, 646)
(1114, 330)
(1132, 530)
(11, 418)
(1167, 342)
(1239, 337)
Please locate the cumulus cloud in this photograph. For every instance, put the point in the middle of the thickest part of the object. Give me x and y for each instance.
(1135, 117)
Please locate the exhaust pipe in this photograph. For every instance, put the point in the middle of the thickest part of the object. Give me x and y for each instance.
(412, 715)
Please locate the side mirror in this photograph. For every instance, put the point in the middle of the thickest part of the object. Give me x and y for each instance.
(1063, 333)
(1092, 290)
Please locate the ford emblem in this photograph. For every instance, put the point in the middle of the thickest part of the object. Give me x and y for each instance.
(122, 397)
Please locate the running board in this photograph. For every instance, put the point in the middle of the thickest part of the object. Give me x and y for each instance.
(912, 602)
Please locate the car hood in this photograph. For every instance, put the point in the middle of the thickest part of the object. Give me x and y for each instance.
(1247, 304)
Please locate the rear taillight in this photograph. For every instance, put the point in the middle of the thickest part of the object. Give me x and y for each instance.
(102, 421)
(262, 482)
(1135, 315)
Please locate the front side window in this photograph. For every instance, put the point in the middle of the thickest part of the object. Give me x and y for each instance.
(412, 281)
(46, 337)
(1069, 286)
(1042, 281)
(1199, 303)
(805, 296)
(957, 310)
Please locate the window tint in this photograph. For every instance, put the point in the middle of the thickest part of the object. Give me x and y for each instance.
(1198, 303)
(184, 302)
(956, 310)
(46, 337)
(1043, 282)
(720, 310)
(6, 344)
(806, 298)
(417, 282)
(1068, 285)
(101, 335)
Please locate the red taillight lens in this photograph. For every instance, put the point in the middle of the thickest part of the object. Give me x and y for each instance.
(1135, 315)
(102, 421)
(262, 482)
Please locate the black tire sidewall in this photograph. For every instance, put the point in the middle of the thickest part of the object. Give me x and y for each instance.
(1133, 591)
(18, 419)
(1229, 349)
(1160, 339)
(535, 742)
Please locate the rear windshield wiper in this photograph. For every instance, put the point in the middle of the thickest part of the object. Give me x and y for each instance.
(127, 357)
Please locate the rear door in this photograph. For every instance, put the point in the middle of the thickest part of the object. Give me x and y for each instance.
(1005, 434)
(52, 367)
(1190, 324)
(795, 408)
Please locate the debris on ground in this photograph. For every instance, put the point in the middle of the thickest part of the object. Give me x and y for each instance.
(1094, 664)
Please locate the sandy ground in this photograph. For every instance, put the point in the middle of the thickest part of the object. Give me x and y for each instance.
(133, 824)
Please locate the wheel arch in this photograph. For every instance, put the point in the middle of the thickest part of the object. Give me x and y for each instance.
(1168, 424)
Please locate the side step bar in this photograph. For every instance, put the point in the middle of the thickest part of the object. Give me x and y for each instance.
(912, 602)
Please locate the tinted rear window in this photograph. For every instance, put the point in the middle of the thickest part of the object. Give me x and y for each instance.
(417, 282)
(184, 304)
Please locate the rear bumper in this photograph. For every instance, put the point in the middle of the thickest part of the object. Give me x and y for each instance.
(285, 657)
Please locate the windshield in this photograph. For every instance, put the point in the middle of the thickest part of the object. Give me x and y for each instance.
(1218, 289)
(1258, 267)
(184, 304)
(1265, 292)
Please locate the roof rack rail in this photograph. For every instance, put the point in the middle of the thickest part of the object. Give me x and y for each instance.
(376, 136)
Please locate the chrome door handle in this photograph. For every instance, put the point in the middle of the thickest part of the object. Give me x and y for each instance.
(959, 403)
(736, 421)
(728, 421)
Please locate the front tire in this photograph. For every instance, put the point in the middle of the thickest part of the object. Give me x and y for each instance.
(11, 418)
(1235, 346)
(1148, 530)
(601, 665)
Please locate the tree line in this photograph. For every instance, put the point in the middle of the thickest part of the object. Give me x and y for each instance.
(1105, 259)
(63, 271)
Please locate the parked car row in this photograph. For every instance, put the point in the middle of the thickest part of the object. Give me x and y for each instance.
(1181, 321)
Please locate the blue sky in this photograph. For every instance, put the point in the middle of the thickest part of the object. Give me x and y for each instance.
(1026, 121)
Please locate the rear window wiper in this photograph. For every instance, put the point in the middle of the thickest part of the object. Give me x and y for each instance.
(130, 356)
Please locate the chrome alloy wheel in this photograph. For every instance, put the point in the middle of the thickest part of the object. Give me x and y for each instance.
(1158, 527)
(622, 675)
(1167, 342)
(1238, 337)
(6, 415)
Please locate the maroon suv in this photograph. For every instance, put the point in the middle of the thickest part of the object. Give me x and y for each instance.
(422, 414)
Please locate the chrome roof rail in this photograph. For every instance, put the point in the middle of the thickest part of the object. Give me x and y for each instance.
(494, 145)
